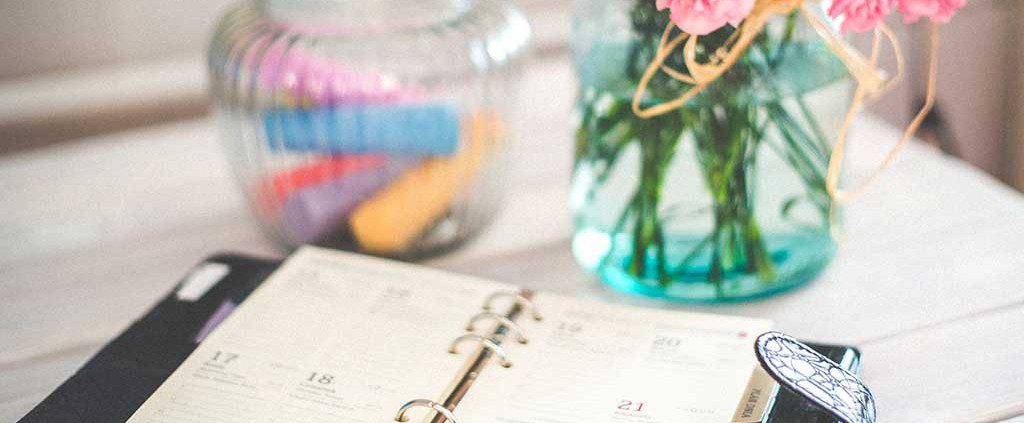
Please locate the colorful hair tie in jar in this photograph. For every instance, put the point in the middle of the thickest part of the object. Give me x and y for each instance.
(371, 126)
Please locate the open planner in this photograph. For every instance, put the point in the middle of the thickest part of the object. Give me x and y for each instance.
(333, 337)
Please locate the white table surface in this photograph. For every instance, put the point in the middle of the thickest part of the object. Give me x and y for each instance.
(929, 282)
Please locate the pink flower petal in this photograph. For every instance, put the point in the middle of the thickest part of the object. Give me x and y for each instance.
(860, 15)
(936, 10)
(702, 17)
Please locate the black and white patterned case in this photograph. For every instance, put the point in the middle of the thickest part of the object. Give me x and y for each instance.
(830, 389)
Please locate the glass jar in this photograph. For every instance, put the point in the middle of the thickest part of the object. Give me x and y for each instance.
(375, 126)
(723, 199)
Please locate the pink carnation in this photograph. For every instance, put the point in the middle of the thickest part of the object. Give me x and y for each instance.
(702, 17)
(861, 15)
(937, 10)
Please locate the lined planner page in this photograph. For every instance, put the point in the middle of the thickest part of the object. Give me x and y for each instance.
(600, 363)
(329, 338)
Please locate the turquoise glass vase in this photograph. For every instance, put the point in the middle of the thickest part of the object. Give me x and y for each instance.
(723, 199)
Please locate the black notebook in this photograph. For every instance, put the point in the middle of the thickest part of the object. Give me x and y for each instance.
(368, 369)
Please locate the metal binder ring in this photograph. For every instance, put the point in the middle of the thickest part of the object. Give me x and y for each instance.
(522, 301)
(508, 323)
(486, 343)
(440, 409)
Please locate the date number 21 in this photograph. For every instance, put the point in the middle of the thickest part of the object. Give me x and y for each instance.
(629, 405)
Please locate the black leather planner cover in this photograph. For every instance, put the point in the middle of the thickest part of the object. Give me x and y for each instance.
(119, 378)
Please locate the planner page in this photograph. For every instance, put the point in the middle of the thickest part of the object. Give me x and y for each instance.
(600, 363)
(328, 338)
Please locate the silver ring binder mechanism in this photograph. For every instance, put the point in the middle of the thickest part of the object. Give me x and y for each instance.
(486, 343)
(440, 409)
(519, 299)
(508, 323)
(490, 342)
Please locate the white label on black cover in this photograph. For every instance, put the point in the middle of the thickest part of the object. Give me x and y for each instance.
(200, 280)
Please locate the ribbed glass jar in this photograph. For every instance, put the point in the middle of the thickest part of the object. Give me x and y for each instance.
(375, 126)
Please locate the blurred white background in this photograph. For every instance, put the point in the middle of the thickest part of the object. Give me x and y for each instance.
(74, 68)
